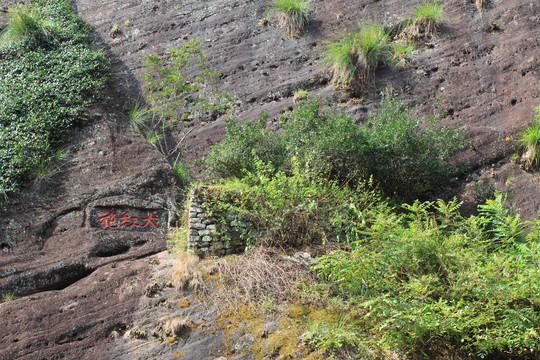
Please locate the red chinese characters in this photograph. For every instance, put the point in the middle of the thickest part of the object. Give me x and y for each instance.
(110, 220)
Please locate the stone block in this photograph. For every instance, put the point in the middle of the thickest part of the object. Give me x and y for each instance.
(194, 239)
(207, 238)
(204, 232)
(197, 226)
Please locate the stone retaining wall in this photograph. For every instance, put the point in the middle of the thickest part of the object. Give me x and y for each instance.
(209, 235)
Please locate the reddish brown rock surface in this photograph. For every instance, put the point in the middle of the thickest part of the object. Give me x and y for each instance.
(69, 275)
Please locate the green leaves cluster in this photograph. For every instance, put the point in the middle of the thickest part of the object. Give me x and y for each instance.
(294, 209)
(405, 156)
(179, 85)
(429, 275)
(45, 84)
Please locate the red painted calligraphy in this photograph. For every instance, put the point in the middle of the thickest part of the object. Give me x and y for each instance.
(148, 220)
(109, 219)
(125, 219)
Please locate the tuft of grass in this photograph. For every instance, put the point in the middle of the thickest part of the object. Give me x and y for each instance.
(402, 56)
(8, 297)
(427, 17)
(186, 273)
(353, 58)
(293, 15)
(300, 95)
(529, 140)
(139, 117)
(50, 166)
(26, 24)
(181, 171)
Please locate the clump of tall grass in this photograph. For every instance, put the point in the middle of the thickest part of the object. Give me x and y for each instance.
(353, 58)
(427, 17)
(293, 15)
(26, 24)
(529, 140)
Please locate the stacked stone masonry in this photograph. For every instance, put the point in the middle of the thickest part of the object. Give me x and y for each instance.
(209, 235)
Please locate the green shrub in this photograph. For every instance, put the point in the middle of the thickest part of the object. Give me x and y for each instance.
(529, 140)
(409, 156)
(234, 154)
(295, 209)
(353, 58)
(405, 157)
(178, 86)
(44, 90)
(325, 139)
(293, 15)
(427, 17)
(428, 276)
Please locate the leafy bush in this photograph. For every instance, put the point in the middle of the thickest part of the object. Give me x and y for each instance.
(178, 85)
(353, 58)
(293, 15)
(234, 154)
(429, 275)
(404, 157)
(293, 210)
(44, 88)
(409, 156)
(529, 139)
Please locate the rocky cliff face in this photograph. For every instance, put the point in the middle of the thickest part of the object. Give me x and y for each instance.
(79, 271)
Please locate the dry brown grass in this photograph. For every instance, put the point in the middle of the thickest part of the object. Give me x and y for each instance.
(257, 274)
(187, 274)
(481, 5)
(176, 327)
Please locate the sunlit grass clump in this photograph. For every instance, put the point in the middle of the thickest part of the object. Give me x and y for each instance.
(293, 15)
(26, 24)
(529, 139)
(427, 17)
(354, 57)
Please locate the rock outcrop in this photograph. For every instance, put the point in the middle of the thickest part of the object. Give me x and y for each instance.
(75, 251)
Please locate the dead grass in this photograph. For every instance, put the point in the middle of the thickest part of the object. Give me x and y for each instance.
(176, 327)
(187, 274)
(482, 4)
(260, 273)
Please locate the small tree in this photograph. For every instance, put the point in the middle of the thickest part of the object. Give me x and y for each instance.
(179, 86)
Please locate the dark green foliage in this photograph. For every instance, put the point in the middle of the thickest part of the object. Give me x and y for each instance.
(405, 156)
(234, 155)
(409, 156)
(44, 88)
